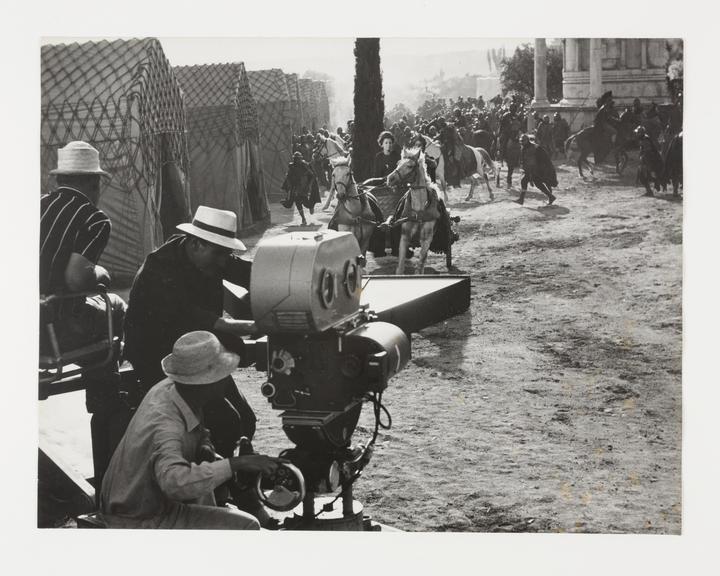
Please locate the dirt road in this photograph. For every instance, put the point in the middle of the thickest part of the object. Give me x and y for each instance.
(554, 403)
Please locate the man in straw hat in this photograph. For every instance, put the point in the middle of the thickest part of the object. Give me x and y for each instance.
(164, 470)
(73, 236)
(178, 289)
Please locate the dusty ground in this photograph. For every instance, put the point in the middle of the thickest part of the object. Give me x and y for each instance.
(554, 403)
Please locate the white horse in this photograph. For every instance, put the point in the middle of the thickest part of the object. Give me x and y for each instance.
(329, 149)
(484, 165)
(420, 209)
(354, 212)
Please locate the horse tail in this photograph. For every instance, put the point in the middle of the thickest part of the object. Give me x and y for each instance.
(487, 159)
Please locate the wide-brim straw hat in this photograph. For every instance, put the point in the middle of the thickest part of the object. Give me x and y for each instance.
(78, 157)
(199, 359)
(215, 226)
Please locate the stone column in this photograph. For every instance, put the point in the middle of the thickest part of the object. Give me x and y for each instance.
(643, 54)
(571, 55)
(595, 69)
(540, 74)
(622, 64)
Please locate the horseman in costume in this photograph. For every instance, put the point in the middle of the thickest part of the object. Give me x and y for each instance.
(452, 146)
(301, 186)
(604, 131)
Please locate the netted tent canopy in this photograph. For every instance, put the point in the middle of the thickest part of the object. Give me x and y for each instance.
(121, 97)
(308, 102)
(323, 106)
(271, 96)
(295, 108)
(223, 141)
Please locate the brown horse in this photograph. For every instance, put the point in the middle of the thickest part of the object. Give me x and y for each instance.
(599, 143)
(420, 209)
(356, 212)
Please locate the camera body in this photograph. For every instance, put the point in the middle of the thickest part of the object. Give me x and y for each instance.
(325, 353)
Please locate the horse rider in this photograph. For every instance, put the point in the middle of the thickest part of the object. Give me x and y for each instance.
(452, 146)
(674, 124)
(560, 131)
(301, 186)
(538, 170)
(419, 142)
(458, 119)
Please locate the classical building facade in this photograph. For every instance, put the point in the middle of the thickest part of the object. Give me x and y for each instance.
(630, 67)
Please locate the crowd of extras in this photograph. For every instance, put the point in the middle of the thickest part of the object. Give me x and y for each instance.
(501, 126)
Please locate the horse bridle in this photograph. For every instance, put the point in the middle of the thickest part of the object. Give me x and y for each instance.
(410, 176)
(351, 180)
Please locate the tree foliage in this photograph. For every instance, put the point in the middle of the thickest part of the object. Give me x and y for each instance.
(369, 105)
(518, 73)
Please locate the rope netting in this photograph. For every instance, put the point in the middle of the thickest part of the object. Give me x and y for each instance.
(222, 130)
(121, 97)
(271, 96)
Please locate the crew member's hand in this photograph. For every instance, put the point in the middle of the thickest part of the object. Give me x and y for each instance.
(102, 276)
(207, 453)
(237, 328)
(255, 463)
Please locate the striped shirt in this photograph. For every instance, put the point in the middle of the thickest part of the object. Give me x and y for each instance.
(69, 223)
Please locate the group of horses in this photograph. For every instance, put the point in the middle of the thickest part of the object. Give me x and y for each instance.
(658, 167)
(419, 219)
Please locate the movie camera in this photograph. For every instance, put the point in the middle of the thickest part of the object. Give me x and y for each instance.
(332, 342)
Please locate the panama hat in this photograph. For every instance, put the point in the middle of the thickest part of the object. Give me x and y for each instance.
(78, 157)
(198, 358)
(215, 226)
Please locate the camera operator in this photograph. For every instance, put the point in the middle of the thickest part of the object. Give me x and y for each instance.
(164, 471)
(178, 289)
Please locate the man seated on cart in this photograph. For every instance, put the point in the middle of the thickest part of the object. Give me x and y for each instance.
(73, 236)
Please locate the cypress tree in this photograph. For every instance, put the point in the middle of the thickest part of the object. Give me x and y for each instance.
(369, 106)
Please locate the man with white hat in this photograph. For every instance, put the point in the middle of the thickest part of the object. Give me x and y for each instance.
(73, 236)
(178, 289)
(164, 470)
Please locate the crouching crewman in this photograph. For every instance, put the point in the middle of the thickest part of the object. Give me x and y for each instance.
(163, 473)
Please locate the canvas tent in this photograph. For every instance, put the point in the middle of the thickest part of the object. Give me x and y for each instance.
(271, 96)
(295, 106)
(223, 141)
(122, 98)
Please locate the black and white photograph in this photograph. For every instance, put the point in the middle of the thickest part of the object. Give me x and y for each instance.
(374, 279)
